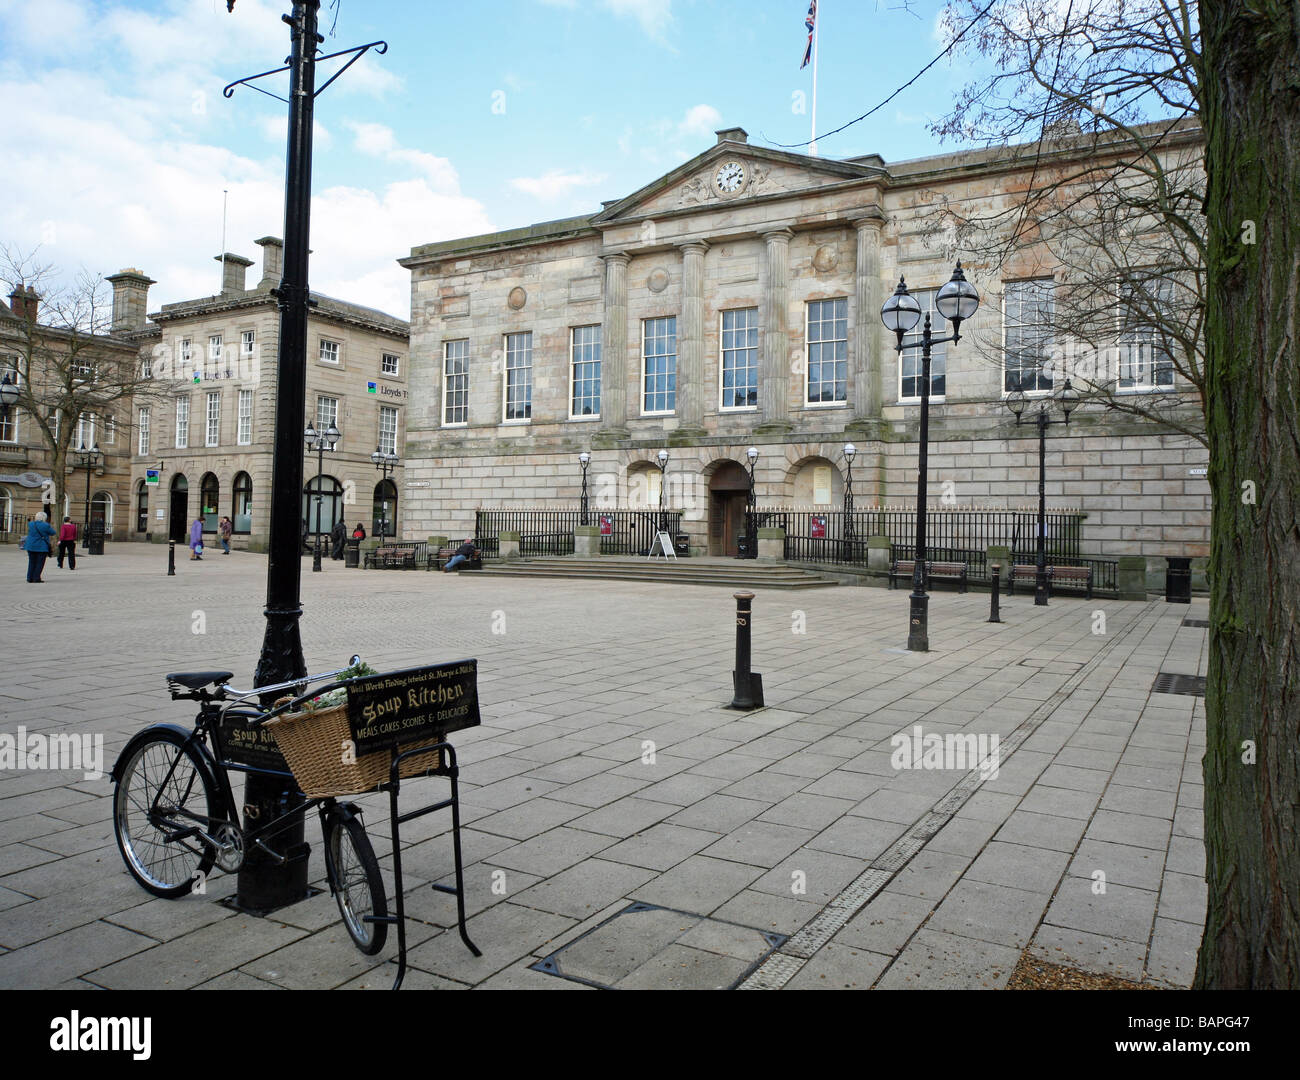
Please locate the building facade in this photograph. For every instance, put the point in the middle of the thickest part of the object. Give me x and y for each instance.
(735, 302)
(203, 438)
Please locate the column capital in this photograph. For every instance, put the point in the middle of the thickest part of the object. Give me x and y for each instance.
(700, 246)
(617, 257)
(778, 234)
(870, 218)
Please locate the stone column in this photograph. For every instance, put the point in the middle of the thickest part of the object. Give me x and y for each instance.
(690, 342)
(613, 351)
(774, 365)
(865, 365)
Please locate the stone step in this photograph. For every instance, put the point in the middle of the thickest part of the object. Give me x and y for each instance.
(680, 573)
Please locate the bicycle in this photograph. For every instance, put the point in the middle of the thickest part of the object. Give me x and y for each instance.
(175, 817)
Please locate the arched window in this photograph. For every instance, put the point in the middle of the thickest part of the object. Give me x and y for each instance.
(384, 512)
(323, 494)
(242, 507)
(210, 490)
(142, 507)
(101, 509)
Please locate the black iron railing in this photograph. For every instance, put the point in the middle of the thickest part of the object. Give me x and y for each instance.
(550, 532)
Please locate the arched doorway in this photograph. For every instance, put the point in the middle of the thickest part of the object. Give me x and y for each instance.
(142, 507)
(384, 511)
(325, 494)
(101, 510)
(728, 494)
(210, 497)
(242, 508)
(178, 522)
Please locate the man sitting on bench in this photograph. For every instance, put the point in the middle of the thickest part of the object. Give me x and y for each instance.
(463, 554)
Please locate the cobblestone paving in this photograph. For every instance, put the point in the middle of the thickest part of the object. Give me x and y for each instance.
(791, 820)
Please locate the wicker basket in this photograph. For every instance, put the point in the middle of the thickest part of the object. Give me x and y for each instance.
(313, 742)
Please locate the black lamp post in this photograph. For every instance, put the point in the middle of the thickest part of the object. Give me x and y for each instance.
(385, 463)
(956, 302)
(751, 506)
(88, 459)
(319, 443)
(584, 459)
(1016, 402)
(850, 452)
(663, 487)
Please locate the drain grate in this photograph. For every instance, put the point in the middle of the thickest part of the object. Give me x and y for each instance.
(647, 947)
(1196, 622)
(1168, 682)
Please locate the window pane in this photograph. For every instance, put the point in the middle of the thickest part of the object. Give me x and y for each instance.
(740, 358)
(455, 382)
(659, 353)
(1028, 310)
(387, 429)
(585, 357)
(519, 376)
(910, 361)
(828, 350)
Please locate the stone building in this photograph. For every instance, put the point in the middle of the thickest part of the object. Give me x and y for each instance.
(203, 438)
(735, 302)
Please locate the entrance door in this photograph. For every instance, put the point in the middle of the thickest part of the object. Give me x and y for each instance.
(728, 492)
(179, 522)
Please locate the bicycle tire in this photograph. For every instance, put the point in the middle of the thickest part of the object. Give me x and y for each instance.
(166, 869)
(356, 883)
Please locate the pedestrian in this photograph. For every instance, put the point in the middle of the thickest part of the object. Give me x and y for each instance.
(196, 538)
(224, 529)
(68, 543)
(338, 534)
(306, 547)
(37, 545)
(359, 533)
(463, 554)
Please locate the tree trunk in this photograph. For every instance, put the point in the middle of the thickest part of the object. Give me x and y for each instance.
(1251, 114)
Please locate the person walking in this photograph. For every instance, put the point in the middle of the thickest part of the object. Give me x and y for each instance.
(37, 545)
(225, 527)
(337, 535)
(196, 539)
(68, 543)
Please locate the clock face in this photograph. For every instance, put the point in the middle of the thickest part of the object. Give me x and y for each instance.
(730, 178)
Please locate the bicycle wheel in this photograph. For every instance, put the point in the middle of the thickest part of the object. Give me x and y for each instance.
(163, 790)
(355, 881)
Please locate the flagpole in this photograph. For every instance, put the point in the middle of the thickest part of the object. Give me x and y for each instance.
(812, 145)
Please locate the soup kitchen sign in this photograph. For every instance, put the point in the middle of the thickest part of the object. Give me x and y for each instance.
(414, 704)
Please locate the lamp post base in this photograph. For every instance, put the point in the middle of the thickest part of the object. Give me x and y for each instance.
(918, 632)
(1040, 588)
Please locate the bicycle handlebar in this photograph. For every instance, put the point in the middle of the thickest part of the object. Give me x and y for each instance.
(272, 688)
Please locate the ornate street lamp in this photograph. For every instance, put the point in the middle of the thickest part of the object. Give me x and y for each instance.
(751, 506)
(1016, 402)
(956, 301)
(326, 440)
(584, 459)
(850, 452)
(663, 487)
(9, 394)
(88, 458)
(385, 462)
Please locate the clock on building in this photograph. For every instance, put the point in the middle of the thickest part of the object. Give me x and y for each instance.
(730, 178)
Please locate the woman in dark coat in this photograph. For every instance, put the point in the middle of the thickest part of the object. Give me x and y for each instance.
(338, 534)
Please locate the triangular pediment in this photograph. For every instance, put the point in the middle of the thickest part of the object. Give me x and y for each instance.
(751, 172)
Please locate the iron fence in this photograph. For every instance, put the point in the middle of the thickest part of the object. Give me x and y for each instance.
(550, 532)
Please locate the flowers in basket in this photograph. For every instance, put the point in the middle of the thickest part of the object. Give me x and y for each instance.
(339, 695)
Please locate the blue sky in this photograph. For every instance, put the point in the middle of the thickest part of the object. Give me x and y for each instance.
(479, 117)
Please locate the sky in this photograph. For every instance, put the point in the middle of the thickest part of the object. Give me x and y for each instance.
(118, 144)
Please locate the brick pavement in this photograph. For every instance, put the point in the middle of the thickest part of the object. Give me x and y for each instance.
(790, 821)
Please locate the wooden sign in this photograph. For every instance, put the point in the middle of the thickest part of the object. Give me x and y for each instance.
(252, 746)
(413, 705)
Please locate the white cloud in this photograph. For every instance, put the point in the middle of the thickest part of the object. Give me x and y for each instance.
(379, 141)
(554, 184)
(700, 120)
(654, 16)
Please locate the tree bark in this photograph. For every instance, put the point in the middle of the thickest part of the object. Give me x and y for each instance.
(1251, 115)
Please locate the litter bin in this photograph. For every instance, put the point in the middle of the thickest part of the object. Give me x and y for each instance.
(95, 538)
(351, 553)
(742, 546)
(1178, 581)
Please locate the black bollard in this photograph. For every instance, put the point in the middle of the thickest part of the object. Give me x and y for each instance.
(748, 686)
(993, 597)
(171, 558)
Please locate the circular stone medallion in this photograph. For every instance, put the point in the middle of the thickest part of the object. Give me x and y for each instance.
(657, 282)
(825, 258)
(517, 298)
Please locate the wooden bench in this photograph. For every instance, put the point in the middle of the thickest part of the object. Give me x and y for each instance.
(394, 557)
(945, 571)
(440, 558)
(1023, 572)
(1070, 577)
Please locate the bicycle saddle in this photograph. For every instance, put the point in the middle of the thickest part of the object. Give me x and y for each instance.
(193, 680)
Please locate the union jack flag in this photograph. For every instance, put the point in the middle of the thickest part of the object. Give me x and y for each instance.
(811, 23)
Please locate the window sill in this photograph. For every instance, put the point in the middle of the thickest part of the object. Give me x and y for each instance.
(825, 405)
(934, 400)
(584, 419)
(724, 410)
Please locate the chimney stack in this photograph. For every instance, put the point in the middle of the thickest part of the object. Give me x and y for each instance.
(24, 302)
(130, 299)
(232, 276)
(272, 262)
(739, 135)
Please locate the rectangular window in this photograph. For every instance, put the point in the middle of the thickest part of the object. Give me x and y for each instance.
(828, 351)
(455, 383)
(327, 413)
(909, 360)
(244, 428)
(387, 429)
(187, 354)
(519, 376)
(85, 434)
(247, 342)
(329, 351)
(584, 356)
(182, 423)
(740, 359)
(389, 363)
(214, 420)
(659, 364)
(1145, 363)
(142, 427)
(1027, 310)
(213, 368)
(110, 431)
(81, 368)
(9, 425)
